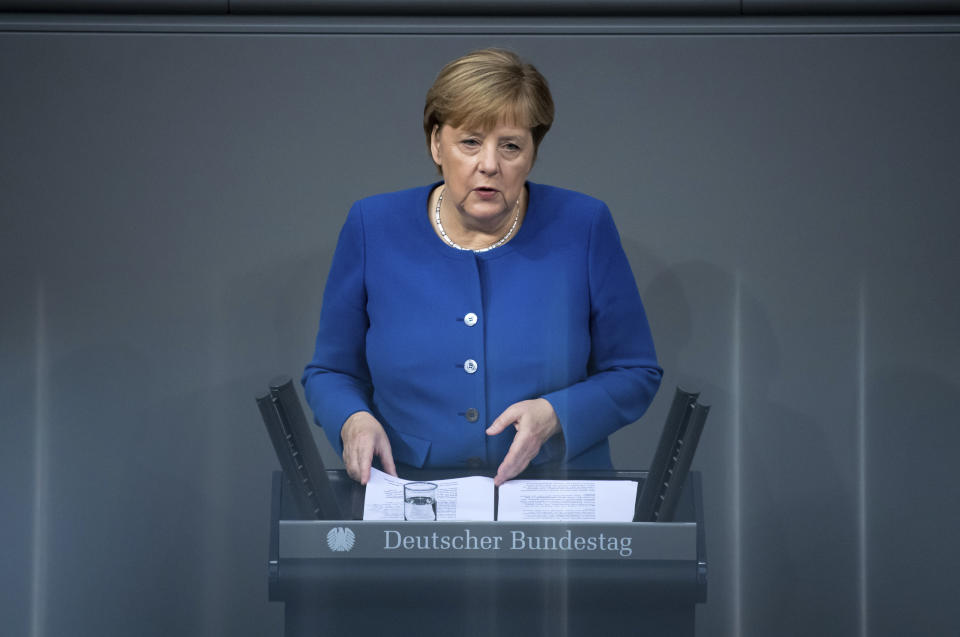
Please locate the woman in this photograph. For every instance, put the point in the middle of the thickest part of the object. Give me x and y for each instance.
(484, 320)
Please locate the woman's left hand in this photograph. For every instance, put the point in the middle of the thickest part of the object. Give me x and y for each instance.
(536, 421)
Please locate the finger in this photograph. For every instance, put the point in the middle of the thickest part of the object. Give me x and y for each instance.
(364, 460)
(351, 450)
(350, 460)
(519, 455)
(353, 467)
(386, 458)
(504, 420)
(508, 470)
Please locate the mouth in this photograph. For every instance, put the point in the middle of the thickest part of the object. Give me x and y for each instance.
(486, 193)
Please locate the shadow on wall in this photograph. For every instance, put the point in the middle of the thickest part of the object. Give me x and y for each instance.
(122, 497)
(913, 517)
(279, 338)
(158, 468)
(780, 502)
(158, 498)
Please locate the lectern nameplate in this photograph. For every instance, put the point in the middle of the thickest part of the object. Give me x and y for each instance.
(354, 539)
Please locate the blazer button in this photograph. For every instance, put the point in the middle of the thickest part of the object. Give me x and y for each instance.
(470, 366)
(474, 462)
(472, 415)
(470, 319)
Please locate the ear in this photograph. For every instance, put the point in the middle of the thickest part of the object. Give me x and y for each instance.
(435, 144)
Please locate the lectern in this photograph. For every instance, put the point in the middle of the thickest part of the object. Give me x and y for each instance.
(355, 577)
(337, 574)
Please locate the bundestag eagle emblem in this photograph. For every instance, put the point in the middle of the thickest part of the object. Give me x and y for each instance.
(340, 539)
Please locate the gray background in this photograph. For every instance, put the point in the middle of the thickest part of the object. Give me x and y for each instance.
(171, 194)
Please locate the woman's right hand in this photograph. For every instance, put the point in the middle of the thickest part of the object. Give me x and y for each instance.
(363, 438)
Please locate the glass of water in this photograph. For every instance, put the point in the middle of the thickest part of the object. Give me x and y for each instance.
(420, 501)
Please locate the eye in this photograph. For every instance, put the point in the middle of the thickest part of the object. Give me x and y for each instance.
(470, 142)
(510, 148)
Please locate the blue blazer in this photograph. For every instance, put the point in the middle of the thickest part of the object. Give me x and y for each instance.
(436, 342)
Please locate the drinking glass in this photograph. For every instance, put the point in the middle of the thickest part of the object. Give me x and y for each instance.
(420, 501)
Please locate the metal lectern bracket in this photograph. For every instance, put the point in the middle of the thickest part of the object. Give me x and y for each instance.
(297, 452)
(681, 432)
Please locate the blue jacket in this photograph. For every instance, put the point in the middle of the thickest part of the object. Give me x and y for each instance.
(554, 313)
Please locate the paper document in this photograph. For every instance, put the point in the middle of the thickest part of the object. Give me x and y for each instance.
(567, 500)
(472, 498)
(468, 499)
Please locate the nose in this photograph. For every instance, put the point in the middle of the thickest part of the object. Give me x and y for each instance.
(487, 162)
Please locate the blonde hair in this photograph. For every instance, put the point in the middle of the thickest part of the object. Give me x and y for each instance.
(486, 87)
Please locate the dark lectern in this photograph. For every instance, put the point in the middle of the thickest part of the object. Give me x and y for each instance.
(350, 577)
(340, 575)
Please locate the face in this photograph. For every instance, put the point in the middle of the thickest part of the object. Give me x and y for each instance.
(483, 171)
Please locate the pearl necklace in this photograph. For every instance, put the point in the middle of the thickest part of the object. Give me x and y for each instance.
(449, 241)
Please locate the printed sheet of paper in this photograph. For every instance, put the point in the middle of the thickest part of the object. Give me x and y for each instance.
(567, 500)
(384, 497)
(469, 499)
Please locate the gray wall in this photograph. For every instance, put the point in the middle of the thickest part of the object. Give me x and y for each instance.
(171, 193)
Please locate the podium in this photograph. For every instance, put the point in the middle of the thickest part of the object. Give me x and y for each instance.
(356, 578)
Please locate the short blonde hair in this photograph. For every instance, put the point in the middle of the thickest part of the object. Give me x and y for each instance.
(486, 87)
